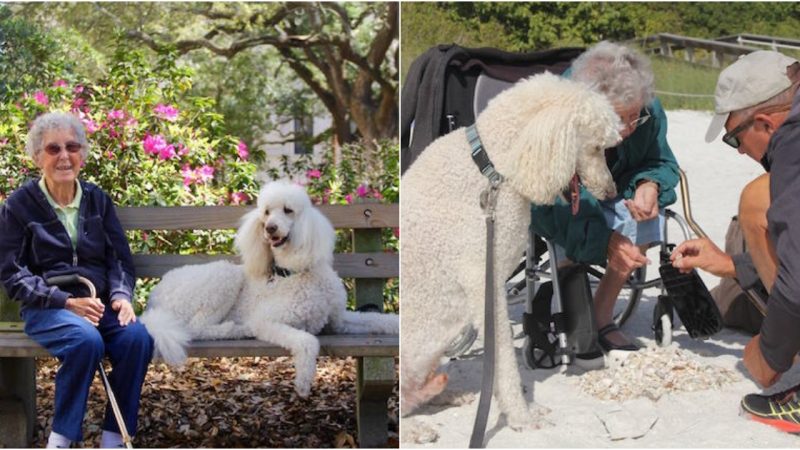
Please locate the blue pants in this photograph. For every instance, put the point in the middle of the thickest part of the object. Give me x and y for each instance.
(80, 348)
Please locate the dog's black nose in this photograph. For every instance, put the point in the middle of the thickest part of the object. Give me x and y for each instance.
(272, 229)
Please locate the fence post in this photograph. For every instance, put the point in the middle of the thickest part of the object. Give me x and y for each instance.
(376, 375)
(17, 385)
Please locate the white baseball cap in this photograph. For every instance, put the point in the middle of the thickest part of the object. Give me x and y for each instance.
(752, 79)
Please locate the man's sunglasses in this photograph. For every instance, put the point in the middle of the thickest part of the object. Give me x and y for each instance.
(55, 149)
(731, 138)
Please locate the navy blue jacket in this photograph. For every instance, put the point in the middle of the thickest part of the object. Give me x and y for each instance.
(780, 330)
(34, 245)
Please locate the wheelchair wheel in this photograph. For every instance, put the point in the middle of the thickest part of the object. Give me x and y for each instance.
(629, 297)
(662, 322)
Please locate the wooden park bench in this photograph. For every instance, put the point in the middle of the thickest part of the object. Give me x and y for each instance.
(369, 265)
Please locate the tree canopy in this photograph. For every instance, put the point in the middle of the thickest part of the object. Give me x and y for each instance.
(343, 56)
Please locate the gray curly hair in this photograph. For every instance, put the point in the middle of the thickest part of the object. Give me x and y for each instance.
(54, 121)
(621, 73)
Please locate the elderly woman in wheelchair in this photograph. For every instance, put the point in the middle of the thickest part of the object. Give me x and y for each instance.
(617, 232)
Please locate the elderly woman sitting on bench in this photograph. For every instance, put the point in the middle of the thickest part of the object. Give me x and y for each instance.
(58, 225)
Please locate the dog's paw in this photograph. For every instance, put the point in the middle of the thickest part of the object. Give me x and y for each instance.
(416, 432)
(302, 388)
(533, 418)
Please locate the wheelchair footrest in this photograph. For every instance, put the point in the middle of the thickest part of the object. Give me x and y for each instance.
(689, 296)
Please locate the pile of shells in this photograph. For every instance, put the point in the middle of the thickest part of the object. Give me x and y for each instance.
(652, 372)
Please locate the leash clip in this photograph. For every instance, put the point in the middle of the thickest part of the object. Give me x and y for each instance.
(488, 200)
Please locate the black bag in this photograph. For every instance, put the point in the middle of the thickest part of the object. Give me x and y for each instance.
(577, 320)
(439, 90)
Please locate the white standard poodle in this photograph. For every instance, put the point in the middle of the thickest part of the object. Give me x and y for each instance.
(285, 292)
(538, 134)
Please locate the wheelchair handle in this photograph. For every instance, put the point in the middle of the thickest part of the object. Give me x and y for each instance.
(687, 208)
(66, 280)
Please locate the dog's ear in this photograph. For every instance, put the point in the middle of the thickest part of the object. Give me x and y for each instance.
(313, 239)
(255, 251)
(545, 152)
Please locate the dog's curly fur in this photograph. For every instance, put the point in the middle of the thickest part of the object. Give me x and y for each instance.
(222, 300)
(538, 134)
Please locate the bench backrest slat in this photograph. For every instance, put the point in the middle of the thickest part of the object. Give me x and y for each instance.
(347, 265)
(367, 215)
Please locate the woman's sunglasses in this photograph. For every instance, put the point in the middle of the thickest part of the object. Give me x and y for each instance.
(55, 149)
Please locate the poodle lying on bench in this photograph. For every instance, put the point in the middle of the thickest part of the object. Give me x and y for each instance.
(538, 134)
(284, 293)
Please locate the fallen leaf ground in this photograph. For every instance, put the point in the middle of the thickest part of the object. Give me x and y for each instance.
(228, 402)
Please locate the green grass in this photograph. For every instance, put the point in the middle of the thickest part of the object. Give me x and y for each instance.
(674, 76)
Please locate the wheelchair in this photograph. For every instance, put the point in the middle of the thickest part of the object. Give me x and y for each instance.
(537, 268)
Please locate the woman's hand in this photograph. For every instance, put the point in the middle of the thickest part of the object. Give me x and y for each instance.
(644, 204)
(126, 314)
(624, 255)
(88, 307)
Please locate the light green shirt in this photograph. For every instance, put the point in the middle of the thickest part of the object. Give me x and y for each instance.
(68, 215)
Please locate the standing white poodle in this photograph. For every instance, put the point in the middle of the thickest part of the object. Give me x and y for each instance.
(285, 292)
(538, 134)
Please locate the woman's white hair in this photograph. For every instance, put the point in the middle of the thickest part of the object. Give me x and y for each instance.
(54, 121)
(621, 73)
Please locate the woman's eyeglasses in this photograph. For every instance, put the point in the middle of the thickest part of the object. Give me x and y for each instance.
(641, 120)
(732, 137)
(55, 149)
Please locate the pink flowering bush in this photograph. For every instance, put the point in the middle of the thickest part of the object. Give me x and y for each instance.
(150, 144)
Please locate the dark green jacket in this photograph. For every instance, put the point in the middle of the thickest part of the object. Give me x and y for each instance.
(644, 155)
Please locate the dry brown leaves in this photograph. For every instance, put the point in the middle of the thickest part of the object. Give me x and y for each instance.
(229, 402)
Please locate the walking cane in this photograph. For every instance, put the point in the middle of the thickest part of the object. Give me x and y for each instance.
(64, 280)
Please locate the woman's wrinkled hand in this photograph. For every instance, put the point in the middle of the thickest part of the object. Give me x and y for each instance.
(624, 255)
(644, 204)
(87, 307)
(125, 309)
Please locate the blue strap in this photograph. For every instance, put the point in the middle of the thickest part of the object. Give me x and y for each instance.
(481, 158)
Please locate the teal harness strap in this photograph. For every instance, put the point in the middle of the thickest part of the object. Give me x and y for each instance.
(481, 158)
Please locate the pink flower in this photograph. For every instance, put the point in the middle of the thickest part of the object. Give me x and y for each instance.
(167, 152)
(242, 150)
(4, 141)
(116, 114)
(313, 173)
(166, 112)
(205, 173)
(78, 89)
(41, 98)
(78, 103)
(188, 175)
(396, 232)
(183, 150)
(153, 144)
(377, 194)
(60, 83)
(348, 198)
(237, 198)
(131, 122)
(91, 126)
(362, 190)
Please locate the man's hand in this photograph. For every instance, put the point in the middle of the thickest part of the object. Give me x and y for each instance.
(126, 314)
(90, 308)
(702, 254)
(758, 367)
(624, 255)
(644, 204)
